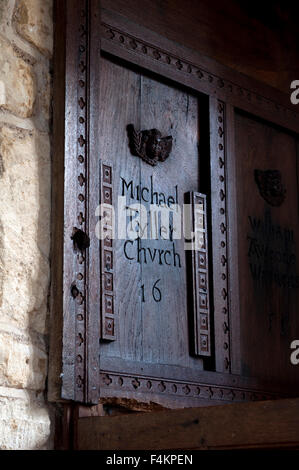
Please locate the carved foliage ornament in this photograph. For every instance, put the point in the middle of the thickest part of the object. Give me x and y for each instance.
(149, 145)
(270, 186)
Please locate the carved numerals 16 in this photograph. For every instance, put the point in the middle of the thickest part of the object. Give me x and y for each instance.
(156, 292)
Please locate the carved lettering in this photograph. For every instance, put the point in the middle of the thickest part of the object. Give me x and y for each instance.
(134, 251)
(271, 253)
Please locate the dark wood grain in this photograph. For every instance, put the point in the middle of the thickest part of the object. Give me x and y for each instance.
(74, 360)
(149, 331)
(268, 252)
(232, 203)
(219, 227)
(259, 40)
(206, 75)
(56, 322)
(75, 144)
(92, 184)
(272, 424)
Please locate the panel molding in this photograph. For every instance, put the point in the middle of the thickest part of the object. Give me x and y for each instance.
(120, 384)
(200, 268)
(197, 72)
(219, 235)
(108, 325)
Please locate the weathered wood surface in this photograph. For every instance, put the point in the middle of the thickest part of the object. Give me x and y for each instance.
(74, 370)
(148, 330)
(261, 425)
(124, 38)
(225, 32)
(57, 176)
(268, 251)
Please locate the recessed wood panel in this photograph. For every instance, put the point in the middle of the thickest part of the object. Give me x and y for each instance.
(268, 228)
(151, 312)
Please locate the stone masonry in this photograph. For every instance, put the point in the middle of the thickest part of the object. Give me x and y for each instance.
(26, 36)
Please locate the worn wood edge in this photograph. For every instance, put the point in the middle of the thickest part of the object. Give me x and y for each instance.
(57, 210)
(271, 424)
(93, 261)
(219, 245)
(178, 394)
(232, 238)
(119, 367)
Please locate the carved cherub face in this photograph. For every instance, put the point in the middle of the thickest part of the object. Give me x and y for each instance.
(270, 185)
(274, 185)
(153, 145)
(149, 145)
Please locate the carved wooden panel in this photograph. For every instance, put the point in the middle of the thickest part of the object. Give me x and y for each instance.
(108, 323)
(149, 272)
(267, 172)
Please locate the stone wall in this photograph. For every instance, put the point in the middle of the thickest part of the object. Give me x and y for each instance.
(26, 35)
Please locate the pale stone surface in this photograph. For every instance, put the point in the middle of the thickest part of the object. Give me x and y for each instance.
(24, 228)
(17, 85)
(33, 21)
(24, 421)
(21, 365)
(42, 115)
(4, 5)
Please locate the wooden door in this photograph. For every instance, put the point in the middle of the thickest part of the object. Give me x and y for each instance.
(142, 121)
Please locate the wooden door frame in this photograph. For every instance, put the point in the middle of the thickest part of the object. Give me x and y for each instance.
(74, 364)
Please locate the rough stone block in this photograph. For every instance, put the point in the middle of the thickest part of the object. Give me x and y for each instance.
(17, 84)
(33, 21)
(21, 365)
(24, 421)
(24, 228)
(3, 10)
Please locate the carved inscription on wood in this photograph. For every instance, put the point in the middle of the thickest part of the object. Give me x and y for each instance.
(268, 250)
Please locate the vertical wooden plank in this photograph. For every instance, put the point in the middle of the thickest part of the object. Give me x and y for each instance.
(232, 239)
(174, 111)
(57, 177)
(119, 106)
(219, 234)
(72, 309)
(71, 335)
(70, 298)
(93, 256)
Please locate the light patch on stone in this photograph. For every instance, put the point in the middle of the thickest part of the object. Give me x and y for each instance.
(25, 86)
(2, 93)
(18, 77)
(33, 21)
(24, 228)
(21, 365)
(24, 421)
